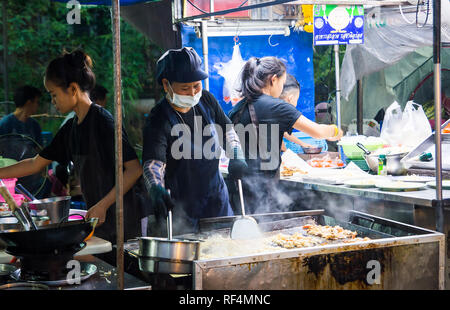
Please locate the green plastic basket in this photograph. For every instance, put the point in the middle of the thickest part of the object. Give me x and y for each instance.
(362, 164)
(352, 151)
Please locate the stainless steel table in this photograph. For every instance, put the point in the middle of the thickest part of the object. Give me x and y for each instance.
(421, 197)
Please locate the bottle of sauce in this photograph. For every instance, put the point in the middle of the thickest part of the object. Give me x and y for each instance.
(382, 169)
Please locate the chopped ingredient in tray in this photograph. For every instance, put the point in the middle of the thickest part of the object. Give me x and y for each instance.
(289, 171)
(296, 240)
(325, 162)
(329, 232)
(446, 129)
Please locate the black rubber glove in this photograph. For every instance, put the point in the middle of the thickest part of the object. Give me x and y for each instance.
(237, 167)
(161, 200)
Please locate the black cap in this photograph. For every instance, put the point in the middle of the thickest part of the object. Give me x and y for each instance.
(181, 65)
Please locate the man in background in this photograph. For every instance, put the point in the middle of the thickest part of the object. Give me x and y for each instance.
(26, 99)
(98, 95)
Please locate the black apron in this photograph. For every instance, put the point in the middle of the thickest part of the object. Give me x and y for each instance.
(258, 185)
(97, 178)
(196, 185)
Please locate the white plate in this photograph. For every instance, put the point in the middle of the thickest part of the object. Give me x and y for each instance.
(414, 178)
(360, 183)
(445, 184)
(399, 186)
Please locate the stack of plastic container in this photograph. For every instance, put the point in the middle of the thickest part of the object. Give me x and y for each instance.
(11, 186)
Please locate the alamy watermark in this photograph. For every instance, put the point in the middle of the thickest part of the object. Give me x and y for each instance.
(374, 275)
(73, 16)
(264, 146)
(74, 274)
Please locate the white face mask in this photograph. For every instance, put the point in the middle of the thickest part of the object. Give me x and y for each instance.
(183, 101)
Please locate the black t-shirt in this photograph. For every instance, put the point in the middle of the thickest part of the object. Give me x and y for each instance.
(272, 114)
(90, 146)
(157, 129)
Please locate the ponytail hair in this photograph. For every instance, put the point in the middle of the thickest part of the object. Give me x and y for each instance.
(257, 73)
(75, 67)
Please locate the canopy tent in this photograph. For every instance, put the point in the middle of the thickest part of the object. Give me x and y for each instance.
(397, 83)
(395, 57)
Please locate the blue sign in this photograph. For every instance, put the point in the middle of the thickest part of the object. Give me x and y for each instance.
(338, 24)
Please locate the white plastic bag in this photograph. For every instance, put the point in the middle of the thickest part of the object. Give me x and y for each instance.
(231, 72)
(407, 128)
(392, 130)
(416, 126)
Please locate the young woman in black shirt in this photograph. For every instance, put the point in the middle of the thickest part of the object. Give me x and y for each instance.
(262, 82)
(88, 141)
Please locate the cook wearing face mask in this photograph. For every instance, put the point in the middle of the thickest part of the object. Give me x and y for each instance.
(183, 137)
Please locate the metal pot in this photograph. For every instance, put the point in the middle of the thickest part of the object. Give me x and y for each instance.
(10, 223)
(161, 255)
(372, 162)
(56, 208)
(394, 164)
(312, 150)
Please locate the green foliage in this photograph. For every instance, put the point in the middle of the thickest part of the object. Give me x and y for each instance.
(38, 31)
(324, 71)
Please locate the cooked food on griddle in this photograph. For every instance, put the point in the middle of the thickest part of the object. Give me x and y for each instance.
(357, 239)
(329, 232)
(296, 240)
(217, 246)
(289, 171)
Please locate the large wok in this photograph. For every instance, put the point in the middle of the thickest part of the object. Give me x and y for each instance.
(47, 238)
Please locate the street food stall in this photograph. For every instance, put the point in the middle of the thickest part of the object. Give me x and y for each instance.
(376, 239)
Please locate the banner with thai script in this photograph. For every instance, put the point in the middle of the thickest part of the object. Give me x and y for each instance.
(338, 24)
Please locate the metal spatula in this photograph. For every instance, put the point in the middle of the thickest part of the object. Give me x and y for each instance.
(244, 227)
(169, 221)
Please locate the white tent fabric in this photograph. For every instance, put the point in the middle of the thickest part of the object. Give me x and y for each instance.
(395, 83)
(389, 36)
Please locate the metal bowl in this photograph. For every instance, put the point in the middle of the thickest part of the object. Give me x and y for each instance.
(162, 255)
(312, 150)
(56, 208)
(372, 162)
(393, 164)
(11, 223)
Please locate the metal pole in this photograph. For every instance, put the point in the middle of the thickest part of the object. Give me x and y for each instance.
(211, 8)
(338, 86)
(5, 55)
(359, 107)
(437, 109)
(118, 142)
(205, 50)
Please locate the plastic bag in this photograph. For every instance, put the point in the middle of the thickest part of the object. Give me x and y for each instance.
(371, 127)
(407, 128)
(416, 126)
(392, 130)
(231, 72)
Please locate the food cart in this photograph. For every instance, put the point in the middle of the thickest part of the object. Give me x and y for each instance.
(391, 242)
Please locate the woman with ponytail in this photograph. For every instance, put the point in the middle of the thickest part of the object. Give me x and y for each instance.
(269, 117)
(87, 140)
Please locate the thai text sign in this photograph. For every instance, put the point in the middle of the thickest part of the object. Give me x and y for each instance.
(338, 24)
